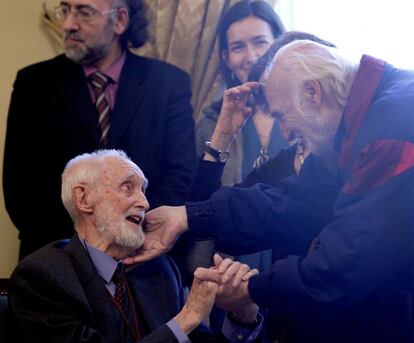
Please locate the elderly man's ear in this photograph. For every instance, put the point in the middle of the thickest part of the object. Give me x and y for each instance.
(313, 93)
(83, 199)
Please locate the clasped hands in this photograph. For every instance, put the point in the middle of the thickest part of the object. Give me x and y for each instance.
(232, 280)
(225, 285)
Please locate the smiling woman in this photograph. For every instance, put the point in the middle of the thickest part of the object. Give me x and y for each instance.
(246, 31)
(247, 40)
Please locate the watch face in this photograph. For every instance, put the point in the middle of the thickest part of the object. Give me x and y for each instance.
(224, 156)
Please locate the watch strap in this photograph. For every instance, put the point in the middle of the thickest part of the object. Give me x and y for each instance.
(220, 156)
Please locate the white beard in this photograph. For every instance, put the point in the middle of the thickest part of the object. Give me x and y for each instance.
(317, 133)
(119, 231)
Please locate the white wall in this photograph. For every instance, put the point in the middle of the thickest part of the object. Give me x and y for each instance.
(380, 28)
(22, 42)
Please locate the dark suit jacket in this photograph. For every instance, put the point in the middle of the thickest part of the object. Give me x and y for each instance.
(56, 295)
(52, 119)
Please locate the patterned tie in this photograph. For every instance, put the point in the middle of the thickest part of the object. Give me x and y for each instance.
(99, 81)
(120, 290)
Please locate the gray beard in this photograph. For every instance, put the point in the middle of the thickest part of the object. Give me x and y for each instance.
(86, 55)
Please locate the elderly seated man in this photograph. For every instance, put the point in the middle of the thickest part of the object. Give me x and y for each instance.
(81, 292)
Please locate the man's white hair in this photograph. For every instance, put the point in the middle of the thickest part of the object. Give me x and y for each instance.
(85, 169)
(308, 60)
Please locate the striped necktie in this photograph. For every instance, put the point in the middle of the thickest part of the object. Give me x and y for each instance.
(99, 81)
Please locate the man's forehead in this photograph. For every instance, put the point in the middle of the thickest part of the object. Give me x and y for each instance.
(125, 167)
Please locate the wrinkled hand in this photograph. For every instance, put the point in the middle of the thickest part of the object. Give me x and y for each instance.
(163, 226)
(233, 272)
(234, 113)
(199, 303)
(233, 294)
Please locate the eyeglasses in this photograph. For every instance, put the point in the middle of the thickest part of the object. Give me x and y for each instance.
(83, 14)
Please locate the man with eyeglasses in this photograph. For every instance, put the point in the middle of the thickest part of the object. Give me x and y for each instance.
(96, 95)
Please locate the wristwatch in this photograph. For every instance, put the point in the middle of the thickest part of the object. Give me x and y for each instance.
(220, 156)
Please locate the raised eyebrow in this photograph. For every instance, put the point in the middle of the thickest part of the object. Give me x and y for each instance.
(235, 43)
(130, 179)
(81, 7)
(127, 178)
(260, 37)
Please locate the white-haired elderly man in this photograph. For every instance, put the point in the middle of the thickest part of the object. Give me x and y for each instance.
(81, 292)
(356, 282)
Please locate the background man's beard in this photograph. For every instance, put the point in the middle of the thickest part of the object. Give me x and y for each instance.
(86, 55)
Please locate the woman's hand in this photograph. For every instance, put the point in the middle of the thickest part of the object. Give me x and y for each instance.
(234, 113)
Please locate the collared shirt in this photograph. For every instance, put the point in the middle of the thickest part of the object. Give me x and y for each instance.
(114, 72)
(106, 266)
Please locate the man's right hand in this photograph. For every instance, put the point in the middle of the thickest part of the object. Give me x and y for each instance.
(163, 226)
